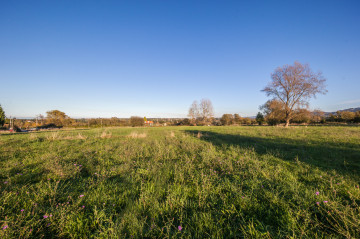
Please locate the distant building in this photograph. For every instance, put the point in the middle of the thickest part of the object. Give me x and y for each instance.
(149, 123)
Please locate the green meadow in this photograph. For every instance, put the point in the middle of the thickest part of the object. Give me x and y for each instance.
(181, 182)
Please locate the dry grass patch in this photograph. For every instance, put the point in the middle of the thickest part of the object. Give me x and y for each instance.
(79, 136)
(106, 135)
(53, 136)
(137, 135)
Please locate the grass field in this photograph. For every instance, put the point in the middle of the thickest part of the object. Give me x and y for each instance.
(181, 182)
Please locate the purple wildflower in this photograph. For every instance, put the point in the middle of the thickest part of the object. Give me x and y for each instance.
(45, 216)
(180, 228)
(325, 201)
(22, 210)
(317, 193)
(5, 182)
(83, 206)
(81, 195)
(318, 203)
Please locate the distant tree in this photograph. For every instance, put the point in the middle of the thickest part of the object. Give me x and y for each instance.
(136, 121)
(246, 121)
(357, 117)
(274, 112)
(293, 86)
(145, 119)
(184, 122)
(40, 119)
(260, 118)
(332, 117)
(302, 116)
(206, 110)
(237, 119)
(347, 116)
(227, 119)
(2, 116)
(318, 116)
(194, 111)
(57, 117)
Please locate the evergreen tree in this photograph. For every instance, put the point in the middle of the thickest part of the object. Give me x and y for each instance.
(2, 116)
(260, 118)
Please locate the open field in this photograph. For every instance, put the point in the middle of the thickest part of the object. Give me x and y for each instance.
(190, 182)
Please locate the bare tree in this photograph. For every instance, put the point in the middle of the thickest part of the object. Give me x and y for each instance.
(194, 111)
(294, 85)
(206, 110)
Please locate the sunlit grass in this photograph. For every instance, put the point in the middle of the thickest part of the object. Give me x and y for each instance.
(181, 182)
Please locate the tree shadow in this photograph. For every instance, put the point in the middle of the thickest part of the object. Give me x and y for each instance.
(344, 158)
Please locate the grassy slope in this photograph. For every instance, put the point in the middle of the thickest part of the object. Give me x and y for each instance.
(211, 181)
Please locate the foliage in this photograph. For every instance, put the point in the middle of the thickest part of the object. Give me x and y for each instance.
(237, 119)
(227, 119)
(57, 117)
(181, 182)
(293, 86)
(301, 116)
(274, 112)
(345, 116)
(260, 118)
(318, 116)
(136, 121)
(2, 116)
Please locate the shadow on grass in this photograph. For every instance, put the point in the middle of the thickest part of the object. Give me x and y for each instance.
(342, 157)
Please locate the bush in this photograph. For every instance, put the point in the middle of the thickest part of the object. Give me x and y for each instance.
(136, 121)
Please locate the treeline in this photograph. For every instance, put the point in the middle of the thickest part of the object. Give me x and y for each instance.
(58, 119)
(272, 113)
(344, 116)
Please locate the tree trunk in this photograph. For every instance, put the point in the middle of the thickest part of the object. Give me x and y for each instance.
(287, 119)
(287, 123)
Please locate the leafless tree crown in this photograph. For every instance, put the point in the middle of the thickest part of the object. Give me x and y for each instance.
(194, 110)
(294, 85)
(206, 109)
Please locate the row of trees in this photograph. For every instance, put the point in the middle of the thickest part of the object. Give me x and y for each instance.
(56, 118)
(345, 116)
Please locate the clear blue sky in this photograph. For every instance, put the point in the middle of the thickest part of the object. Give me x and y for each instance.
(154, 58)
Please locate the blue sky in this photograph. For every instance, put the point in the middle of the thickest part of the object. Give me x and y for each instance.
(154, 58)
